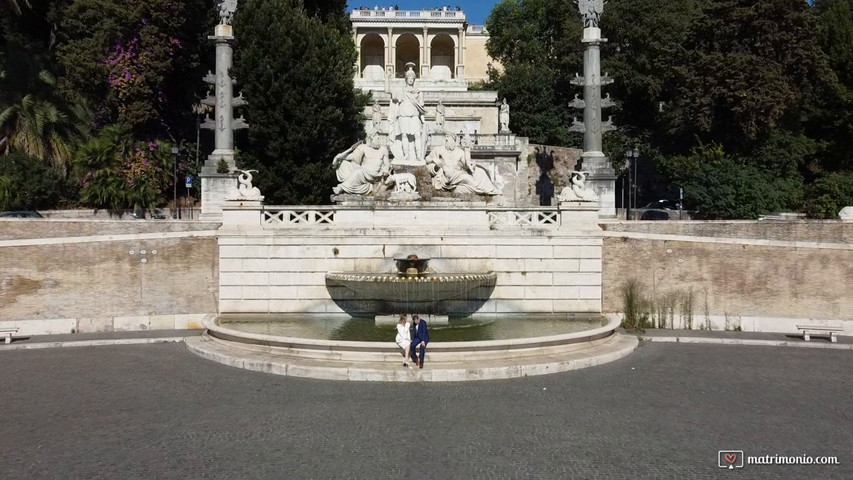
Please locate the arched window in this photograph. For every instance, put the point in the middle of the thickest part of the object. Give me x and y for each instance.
(441, 58)
(408, 50)
(372, 57)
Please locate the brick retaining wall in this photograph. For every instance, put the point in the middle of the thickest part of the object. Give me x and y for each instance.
(746, 280)
(830, 231)
(94, 283)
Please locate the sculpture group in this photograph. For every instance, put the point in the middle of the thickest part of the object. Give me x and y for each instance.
(365, 168)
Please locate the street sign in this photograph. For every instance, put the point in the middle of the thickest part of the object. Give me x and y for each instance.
(189, 182)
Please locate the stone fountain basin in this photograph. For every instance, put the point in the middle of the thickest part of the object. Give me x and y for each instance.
(452, 294)
(383, 351)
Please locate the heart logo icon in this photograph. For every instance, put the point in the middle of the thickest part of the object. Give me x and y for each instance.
(731, 457)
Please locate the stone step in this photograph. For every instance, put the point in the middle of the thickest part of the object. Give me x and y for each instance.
(390, 354)
(391, 369)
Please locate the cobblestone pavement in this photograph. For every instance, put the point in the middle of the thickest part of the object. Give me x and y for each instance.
(157, 411)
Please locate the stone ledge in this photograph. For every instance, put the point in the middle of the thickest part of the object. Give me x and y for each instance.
(392, 371)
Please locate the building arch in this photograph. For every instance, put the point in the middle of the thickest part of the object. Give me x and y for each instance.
(442, 61)
(408, 50)
(372, 57)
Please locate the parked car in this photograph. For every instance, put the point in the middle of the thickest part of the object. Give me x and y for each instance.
(654, 215)
(664, 205)
(21, 214)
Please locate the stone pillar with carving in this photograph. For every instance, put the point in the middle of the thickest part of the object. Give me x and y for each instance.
(602, 177)
(217, 177)
(425, 61)
(460, 54)
(391, 65)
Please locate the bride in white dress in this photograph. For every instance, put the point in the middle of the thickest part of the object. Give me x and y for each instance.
(404, 337)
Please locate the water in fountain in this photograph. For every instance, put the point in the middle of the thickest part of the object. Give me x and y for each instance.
(374, 302)
(477, 328)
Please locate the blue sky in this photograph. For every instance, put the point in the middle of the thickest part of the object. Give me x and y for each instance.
(475, 11)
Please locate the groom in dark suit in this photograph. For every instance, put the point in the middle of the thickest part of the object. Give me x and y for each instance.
(420, 338)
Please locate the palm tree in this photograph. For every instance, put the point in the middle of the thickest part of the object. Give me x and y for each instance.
(5, 191)
(15, 6)
(38, 122)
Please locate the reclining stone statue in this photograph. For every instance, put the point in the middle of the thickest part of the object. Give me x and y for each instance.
(453, 170)
(362, 167)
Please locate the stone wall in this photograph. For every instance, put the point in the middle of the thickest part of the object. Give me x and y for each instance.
(555, 163)
(60, 276)
(752, 276)
(543, 270)
(477, 60)
(12, 228)
(829, 231)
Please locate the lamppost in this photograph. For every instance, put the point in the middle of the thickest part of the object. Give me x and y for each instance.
(631, 157)
(199, 110)
(177, 213)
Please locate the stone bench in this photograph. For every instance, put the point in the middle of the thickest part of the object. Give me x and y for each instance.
(7, 332)
(819, 330)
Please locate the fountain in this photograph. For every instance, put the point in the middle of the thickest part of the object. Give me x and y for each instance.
(515, 289)
(412, 289)
(468, 343)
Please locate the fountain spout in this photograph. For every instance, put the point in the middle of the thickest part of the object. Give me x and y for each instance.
(412, 265)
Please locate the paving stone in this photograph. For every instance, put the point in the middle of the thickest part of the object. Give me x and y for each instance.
(158, 411)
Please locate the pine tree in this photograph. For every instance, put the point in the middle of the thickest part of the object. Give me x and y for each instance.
(296, 72)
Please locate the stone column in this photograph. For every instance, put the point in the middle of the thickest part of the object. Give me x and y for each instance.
(424, 55)
(592, 96)
(429, 59)
(215, 185)
(602, 177)
(224, 133)
(460, 65)
(391, 64)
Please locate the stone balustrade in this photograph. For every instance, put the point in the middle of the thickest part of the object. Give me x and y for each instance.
(288, 217)
(413, 14)
(524, 218)
(483, 216)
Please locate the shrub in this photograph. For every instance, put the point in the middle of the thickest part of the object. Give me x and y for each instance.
(29, 183)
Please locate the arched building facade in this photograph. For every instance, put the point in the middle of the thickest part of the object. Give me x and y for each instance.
(447, 52)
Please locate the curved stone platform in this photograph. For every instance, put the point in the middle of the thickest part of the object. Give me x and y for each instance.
(382, 361)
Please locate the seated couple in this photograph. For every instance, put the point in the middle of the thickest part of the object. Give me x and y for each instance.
(410, 338)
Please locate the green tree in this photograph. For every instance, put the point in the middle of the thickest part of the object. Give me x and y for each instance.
(28, 184)
(750, 67)
(296, 72)
(537, 42)
(835, 18)
(829, 194)
(15, 5)
(139, 62)
(5, 191)
(646, 46)
(116, 172)
(724, 186)
(536, 112)
(34, 118)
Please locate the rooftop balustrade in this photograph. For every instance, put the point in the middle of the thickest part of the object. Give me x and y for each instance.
(408, 14)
